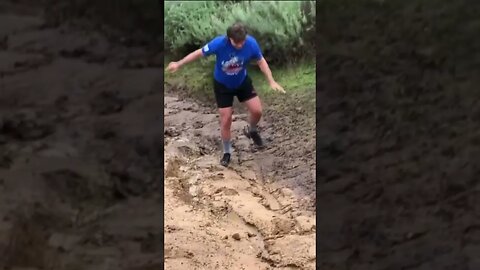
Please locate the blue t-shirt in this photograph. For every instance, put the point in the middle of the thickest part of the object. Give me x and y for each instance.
(231, 65)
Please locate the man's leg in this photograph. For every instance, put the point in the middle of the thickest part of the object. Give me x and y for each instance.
(225, 128)
(248, 96)
(254, 107)
(224, 99)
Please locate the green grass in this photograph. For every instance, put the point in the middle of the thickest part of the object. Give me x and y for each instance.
(195, 81)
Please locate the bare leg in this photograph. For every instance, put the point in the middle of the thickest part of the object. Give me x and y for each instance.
(255, 112)
(225, 126)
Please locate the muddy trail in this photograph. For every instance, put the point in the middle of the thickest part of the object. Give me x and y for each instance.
(81, 153)
(229, 218)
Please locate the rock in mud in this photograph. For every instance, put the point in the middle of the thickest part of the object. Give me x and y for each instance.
(236, 236)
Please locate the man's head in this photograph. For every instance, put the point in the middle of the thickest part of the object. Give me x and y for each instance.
(237, 33)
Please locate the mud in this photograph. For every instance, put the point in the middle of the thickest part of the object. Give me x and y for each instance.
(397, 126)
(238, 217)
(80, 149)
(81, 152)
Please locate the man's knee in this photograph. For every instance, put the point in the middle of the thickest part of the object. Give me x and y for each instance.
(254, 106)
(256, 111)
(226, 118)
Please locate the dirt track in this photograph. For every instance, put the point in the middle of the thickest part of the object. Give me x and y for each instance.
(235, 218)
(81, 159)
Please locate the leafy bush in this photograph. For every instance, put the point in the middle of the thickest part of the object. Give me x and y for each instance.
(283, 29)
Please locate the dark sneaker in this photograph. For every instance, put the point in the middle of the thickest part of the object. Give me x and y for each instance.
(225, 159)
(254, 135)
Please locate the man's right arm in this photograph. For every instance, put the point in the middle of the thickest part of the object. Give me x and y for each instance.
(209, 49)
(191, 57)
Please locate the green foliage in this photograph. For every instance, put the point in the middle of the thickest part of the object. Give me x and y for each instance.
(283, 29)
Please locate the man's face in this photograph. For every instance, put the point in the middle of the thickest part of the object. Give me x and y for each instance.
(237, 45)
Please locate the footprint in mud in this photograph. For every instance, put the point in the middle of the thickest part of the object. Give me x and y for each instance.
(27, 126)
(107, 102)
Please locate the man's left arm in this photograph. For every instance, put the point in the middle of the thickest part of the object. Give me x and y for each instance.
(263, 65)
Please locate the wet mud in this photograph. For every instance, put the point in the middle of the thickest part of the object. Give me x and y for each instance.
(398, 137)
(238, 217)
(80, 150)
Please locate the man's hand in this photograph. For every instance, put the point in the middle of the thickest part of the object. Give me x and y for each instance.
(277, 87)
(173, 67)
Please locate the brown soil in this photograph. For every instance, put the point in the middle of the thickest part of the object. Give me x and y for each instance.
(241, 217)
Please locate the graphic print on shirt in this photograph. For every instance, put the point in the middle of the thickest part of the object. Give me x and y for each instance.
(232, 66)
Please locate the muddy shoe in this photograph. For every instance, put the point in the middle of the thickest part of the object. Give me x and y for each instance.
(225, 159)
(254, 135)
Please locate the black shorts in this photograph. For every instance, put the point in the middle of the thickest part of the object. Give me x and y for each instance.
(224, 95)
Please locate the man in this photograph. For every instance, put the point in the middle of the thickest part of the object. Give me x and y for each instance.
(233, 52)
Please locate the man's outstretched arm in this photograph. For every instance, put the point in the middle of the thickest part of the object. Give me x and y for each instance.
(191, 57)
(174, 66)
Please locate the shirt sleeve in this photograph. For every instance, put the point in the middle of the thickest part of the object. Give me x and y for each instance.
(256, 51)
(212, 46)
